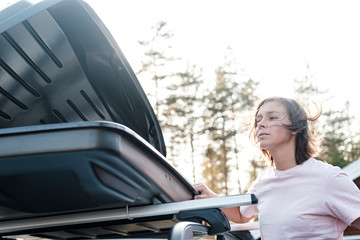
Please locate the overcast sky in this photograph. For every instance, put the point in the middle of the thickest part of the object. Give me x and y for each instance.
(272, 41)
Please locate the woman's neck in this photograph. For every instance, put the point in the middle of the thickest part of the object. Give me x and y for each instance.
(284, 164)
(284, 159)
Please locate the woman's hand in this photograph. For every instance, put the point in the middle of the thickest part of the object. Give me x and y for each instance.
(204, 191)
(233, 213)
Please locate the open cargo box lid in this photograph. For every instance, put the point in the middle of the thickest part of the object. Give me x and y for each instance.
(67, 90)
(59, 63)
(81, 151)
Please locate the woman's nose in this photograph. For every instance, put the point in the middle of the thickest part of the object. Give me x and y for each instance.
(261, 123)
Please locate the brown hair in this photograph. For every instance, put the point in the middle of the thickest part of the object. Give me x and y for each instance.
(307, 143)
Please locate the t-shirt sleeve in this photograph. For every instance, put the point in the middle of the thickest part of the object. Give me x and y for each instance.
(342, 198)
(250, 211)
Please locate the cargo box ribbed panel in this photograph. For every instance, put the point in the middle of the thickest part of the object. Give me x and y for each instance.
(60, 64)
(41, 78)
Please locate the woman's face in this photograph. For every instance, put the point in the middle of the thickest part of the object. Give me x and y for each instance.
(270, 131)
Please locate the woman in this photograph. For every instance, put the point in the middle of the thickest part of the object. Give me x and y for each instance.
(299, 196)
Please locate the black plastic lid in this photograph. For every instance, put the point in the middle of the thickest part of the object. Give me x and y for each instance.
(59, 63)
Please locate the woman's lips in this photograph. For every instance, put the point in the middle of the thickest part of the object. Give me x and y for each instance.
(262, 135)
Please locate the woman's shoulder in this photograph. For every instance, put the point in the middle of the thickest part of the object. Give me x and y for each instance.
(326, 169)
(315, 163)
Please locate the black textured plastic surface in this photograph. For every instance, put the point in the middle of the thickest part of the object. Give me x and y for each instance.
(72, 167)
(214, 217)
(58, 63)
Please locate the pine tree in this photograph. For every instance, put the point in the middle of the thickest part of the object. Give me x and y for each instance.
(337, 139)
(340, 145)
(182, 115)
(226, 99)
(155, 63)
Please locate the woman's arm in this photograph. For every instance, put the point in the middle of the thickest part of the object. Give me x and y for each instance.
(233, 213)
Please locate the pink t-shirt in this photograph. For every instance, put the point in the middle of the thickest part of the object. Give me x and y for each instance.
(314, 200)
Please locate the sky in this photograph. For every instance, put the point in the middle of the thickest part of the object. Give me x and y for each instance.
(273, 42)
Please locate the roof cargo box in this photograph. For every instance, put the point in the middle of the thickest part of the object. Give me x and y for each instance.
(59, 63)
(82, 154)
